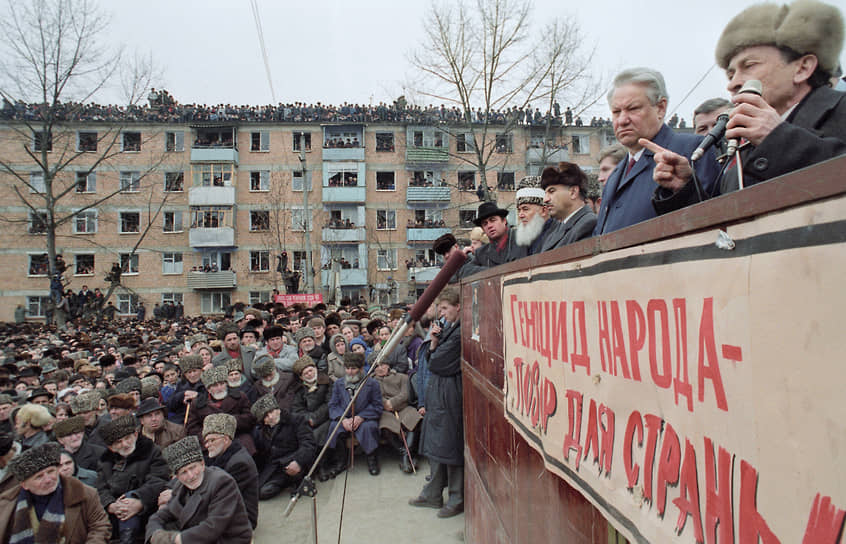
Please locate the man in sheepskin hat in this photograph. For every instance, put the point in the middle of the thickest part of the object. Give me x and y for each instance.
(797, 121)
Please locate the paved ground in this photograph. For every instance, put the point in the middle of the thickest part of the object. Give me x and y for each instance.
(376, 510)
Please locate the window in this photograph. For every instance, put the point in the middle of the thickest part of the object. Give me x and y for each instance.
(175, 298)
(298, 219)
(37, 306)
(299, 260)
(86, 182)
(386, 259)
(343, 178)
(174, 141)
(302, 137)
(38, 265)
(85, 222)
(215, 136)
(504, 143)
(427, 257)
(172, 221)
(385, 141)
(467, 181)
(212, 175)
(42, 141)
(427, 219)
(418, 138)
(209, 217)
(505, 181)
(84, 264)
(260, 180)
(130, 182)
(129, 222)
(297, 181)
(257, 297)
(260, 141)
(129, 263)
(425, 178)
(171, 263)
(86, 141)
(127, 304)
(260, 261)
(214, 303)
(386, 219)
(36, 182)
(174, 182)
(259, 220)
(130, 141)
(466, 218)
(385, 181)
(581, 144)
(464, 142)
(37, 223)
(427, 138)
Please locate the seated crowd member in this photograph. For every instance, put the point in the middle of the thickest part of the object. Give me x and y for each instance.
(282, 384)
(151, 416)
(219, 400)
(189, 388)
(398, 418)
(311, 399)
(70, 433)
(277, 347)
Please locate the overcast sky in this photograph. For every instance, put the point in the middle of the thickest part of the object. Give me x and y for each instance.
(333, 51)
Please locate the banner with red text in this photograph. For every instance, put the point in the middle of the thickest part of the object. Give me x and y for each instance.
(309, 299)
(693, 393)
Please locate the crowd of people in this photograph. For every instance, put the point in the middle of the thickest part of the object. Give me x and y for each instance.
(158, 417)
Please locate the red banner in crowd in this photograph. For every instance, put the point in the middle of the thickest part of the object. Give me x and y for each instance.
(309, 299)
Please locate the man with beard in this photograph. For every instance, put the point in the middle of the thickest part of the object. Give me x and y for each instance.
(311, 402)
(230, 335)
(155, 426)
(565, 195)
(279, 383)
(131, 476)
(188, 389)
(219, 400)
(205, 507)
(535, 230)
(87, 405)
(228, 454)
(70, 433)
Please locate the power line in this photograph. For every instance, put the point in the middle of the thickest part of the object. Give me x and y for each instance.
(698, 83)
(257, 18)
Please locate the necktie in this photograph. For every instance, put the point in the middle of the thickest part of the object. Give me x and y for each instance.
(629, 167)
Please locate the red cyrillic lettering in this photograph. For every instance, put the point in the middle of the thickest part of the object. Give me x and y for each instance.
(637, 334)
(681, 382)
(668, 467)
(635, 423)
(559, 331)
(544, 335)
(688, 500)
(513, 299)
(604, 336)
(653, 429)
(663, 376)
(752, 524)
(709, 366)
(618, 343)
(606, 443)
(592, 435)
(719, 525)
(550, 402)
(580, 356)
(534, 393)
(825, 524)
(571, 441)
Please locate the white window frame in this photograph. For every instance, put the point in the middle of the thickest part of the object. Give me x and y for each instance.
(127, 303)
(393, 142)
(90, 182)
(76, 257)
(29, 265)
(36, 182)
(297, 220)
(91, 219)
(383, 259)
(178, 141)
(178, 222)
(130, 181)
(40, 304)
(254, 226)
(120, 222)
(123, 136)
(264, 141)
(132, 269)
(389, 214)
(297, 181)
(260, 297)
(172, 263)
(508, 141)
(260, 260)
(176, 298)
(178, 173)
(386, 172)
(583, 145)
(215, 302)
(263, 181)
(296, 136)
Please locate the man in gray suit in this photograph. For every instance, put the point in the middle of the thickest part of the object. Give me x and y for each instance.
(565, 197)
(229, 334)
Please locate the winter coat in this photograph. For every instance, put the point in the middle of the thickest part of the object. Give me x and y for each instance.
(175, 406)
(394, 388)
(247, 356)
(397, 359)
(86, 521)
(335, 361)
(313, 406)
(442, 439)
(284, 360)
(88, 455)
(169, 433)
(212, 513)
(238, 464)
(283, 390)
(234, 404)
(146, 473)
(290, 440)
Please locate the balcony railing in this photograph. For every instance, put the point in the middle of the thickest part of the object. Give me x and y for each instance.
(211, 237)
(534, 155)
(416, 234)
(427, 194)
(425, 274)
(212, 280)
(344, 194)
(343, 153)
(426, 155)
(214, 154)
(211, 196)
(349, 276)
(355, 234)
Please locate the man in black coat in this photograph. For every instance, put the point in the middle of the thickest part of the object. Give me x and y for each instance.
(502, 247)
(189, 388)
(131, 474)
(226, 453)
(70, 433)
(796, 121)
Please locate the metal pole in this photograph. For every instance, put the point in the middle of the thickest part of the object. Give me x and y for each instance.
(308, 272)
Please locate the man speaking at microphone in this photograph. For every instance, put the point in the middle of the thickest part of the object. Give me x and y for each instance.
(797, 121)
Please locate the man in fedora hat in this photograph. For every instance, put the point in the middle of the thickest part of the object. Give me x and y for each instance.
(502, 247)
(155, 426)
(797, 121)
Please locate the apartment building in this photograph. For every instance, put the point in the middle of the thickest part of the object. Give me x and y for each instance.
(199, 213)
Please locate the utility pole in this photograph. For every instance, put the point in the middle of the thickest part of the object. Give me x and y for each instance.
(309, 272)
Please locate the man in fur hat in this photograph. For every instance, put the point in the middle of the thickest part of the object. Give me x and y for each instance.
(797, 121)
(229, 334)
(281, 384)
(219, 400)
(70, 433)
(130, 477)
(188, 389)
(227, 453)
(565, 195)
(277, 347)
(205, 506)
(6, 405)
(63, 508)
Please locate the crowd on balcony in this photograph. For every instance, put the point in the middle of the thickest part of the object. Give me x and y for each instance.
(346, 180)
(343, 262)
(341, 143)
(338, 223)
(427, 223)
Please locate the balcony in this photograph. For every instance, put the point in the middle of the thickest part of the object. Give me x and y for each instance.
(425, 274)
(214, 154)
(343, 153)
(344, 194)
(349, 276)
(211, 237)
(426, 234)
(534, 155)
(354, 235)
(212, 280)
(427, 155)
(427, 194)
(211, 196)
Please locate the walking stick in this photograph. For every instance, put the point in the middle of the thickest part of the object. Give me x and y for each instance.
(187, 409)
(405, 443)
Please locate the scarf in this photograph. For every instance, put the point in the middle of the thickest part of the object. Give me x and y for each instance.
(27, 528)
(311, 385)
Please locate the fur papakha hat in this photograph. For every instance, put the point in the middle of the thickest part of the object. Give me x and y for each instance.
(149, 387)
(34, 460)
(227, 328)
(69, 426)
(190, 362)
(263, 365)
(219, 424)
(234, 364)
(303, 332)
(263, 406)
(183, 452)
(529, 191)
(352, 359)
(215, 374)
(116, 429)
(302, 363)
(805, 26)
(127, 385)
(122, 400)
(85, 402)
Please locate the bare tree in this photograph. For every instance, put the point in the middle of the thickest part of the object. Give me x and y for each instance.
(482, 58)
(52, 62)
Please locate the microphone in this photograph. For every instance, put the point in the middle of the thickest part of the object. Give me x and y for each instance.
(752, 86)
(712, 137)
